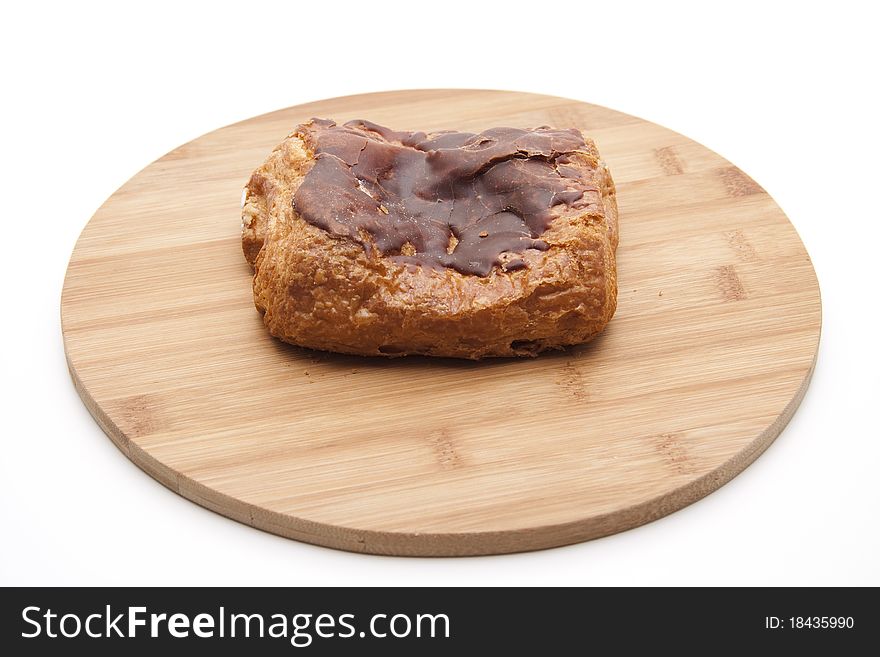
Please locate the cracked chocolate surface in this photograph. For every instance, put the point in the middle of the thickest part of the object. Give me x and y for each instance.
(469, 202)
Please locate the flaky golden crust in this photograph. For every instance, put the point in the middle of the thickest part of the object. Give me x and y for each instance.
(326, 292)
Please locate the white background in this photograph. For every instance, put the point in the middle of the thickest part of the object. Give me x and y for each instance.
(93, 93)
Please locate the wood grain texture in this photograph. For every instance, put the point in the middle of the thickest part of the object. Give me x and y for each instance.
(706, 360)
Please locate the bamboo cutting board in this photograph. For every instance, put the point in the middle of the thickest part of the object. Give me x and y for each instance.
(708, 356)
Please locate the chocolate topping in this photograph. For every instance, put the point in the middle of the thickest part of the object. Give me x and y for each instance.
(446, 199)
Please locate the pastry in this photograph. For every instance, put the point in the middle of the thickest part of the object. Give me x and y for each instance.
(365, 240)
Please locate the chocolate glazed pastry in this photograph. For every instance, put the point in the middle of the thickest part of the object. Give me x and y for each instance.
(369, 241)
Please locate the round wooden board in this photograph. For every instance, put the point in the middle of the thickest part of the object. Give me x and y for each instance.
(707, 358)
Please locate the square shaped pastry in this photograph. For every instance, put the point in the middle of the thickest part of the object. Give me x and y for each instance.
(369, 241)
